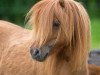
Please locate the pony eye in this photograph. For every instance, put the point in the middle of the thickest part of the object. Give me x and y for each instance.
(56, 24)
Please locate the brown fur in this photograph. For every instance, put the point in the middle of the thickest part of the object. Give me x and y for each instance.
(94, 70)
(71, 40)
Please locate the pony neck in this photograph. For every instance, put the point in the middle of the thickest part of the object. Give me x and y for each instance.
(53, 66)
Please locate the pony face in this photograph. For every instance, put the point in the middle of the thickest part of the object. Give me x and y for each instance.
(59, 27)
(41, 52)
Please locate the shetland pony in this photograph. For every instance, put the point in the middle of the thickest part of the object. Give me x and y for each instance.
(58, 43)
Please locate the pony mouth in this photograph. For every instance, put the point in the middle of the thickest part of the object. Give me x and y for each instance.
(40, 54)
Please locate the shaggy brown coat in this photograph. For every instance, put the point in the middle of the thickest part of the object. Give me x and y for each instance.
(72, 40)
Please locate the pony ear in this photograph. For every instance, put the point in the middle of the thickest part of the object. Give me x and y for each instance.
(61, 3)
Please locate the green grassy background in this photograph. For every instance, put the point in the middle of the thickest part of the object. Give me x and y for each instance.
(95, 32)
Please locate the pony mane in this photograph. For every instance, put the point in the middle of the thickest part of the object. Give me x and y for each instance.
(74, 24)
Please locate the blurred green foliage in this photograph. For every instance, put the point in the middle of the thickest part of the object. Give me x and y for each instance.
(15, 11)
(95, 30)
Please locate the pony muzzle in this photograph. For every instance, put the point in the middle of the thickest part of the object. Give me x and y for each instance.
(40, 54)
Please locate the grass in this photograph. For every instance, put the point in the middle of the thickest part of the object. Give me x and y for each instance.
(95, 31)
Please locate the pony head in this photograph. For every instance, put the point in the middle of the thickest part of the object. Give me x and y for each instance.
(60, 28)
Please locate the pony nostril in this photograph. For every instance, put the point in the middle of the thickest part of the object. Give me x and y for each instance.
(36, 52)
